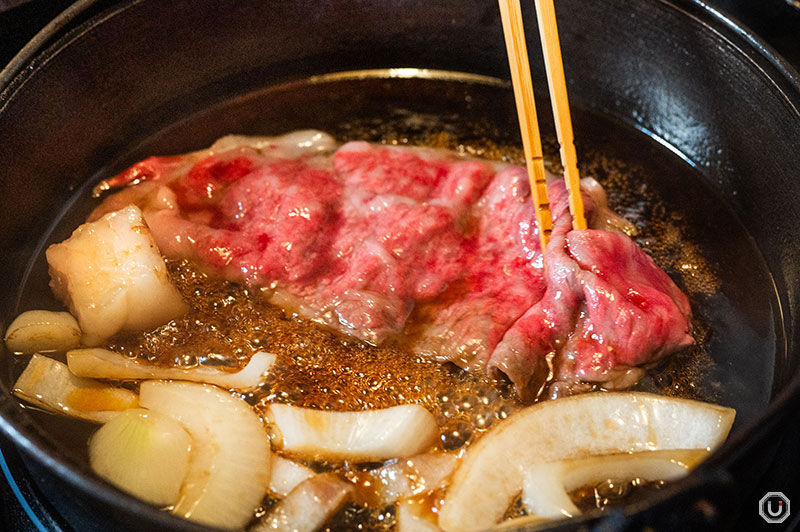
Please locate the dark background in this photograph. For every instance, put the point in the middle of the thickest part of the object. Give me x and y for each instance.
(776, 21)
(21, 19)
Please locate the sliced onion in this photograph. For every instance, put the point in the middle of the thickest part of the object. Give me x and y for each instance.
(143, 453)
(492, 471)
(524, 522)
(286, 475)
(37, 331)
(229, 467)
(546, 487)
(413, 515)
(112, 277)
(104, 364)
(309, 506)
(303, 143)
(409, 477)
(368, 436)
(48, 384)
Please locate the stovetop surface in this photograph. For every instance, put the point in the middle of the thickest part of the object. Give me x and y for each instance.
(23, 510)
(21, 507)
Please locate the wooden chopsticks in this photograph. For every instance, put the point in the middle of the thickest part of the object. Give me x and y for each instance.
(511, 14)
(548, 30)
(514, 31)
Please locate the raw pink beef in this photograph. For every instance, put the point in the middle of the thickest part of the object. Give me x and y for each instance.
(607, 311)
(360, 236)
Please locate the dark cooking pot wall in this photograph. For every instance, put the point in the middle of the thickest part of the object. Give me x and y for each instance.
(672, 70)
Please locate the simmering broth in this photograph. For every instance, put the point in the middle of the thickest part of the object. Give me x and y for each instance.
(680, 222)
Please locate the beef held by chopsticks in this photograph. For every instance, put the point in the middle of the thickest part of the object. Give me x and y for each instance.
(383, 242)
(607, 310)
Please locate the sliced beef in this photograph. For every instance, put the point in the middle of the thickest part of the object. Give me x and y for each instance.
(607, 310)
(364, 238)
(501, 277)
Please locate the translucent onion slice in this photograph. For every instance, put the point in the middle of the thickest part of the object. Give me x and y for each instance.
(303, 143)
(112, 277)
(414, 515)
(546, 487)
(309, 506)
(286, 475)
(492, 471)
(368, 436)
(409, 477)
(48, 384)
(525, 522)
(143, 453)
(229, 468)
(37, 331)
(104, 364)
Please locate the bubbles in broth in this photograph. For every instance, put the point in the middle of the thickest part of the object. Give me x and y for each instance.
(318, 368)
(321, 369)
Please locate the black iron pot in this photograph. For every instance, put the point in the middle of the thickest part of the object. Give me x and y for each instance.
(110, 82)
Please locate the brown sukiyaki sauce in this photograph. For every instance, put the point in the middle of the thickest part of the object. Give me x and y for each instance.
(316, 367)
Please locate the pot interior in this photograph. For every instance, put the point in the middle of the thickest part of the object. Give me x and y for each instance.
(689, 128)
(707, 251)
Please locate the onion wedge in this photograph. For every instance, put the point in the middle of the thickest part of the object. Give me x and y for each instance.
(143, 453)
(492, 472)
(47, 383)
(308, 506)
(526, 522)
(37, 331)
(104, 364)
(368, 436)
(546, 487)
(112, 277)
(229, 467)
(286, 475)
(414, 516)
(409, 477)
